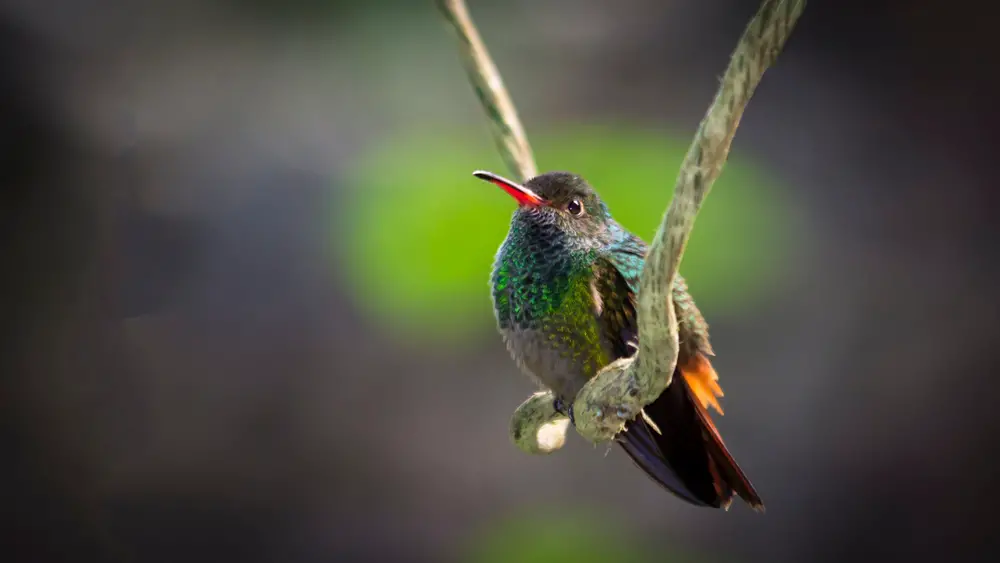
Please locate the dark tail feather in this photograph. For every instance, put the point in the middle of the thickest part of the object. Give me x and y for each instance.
(688, 457)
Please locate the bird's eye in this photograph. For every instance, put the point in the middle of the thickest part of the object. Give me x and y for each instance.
(575, 207)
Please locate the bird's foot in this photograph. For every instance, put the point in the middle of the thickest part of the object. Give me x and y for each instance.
(607, 402)
(562, 407)
(537, 426)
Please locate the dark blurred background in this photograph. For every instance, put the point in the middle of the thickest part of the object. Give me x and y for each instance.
(247, 308)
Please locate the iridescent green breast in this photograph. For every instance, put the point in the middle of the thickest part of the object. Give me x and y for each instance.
(544, 300)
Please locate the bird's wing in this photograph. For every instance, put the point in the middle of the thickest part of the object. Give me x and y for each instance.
(671, 453)
(628, 254)
(685, 453)
(617, 274)
(615, 305)
(664, 462)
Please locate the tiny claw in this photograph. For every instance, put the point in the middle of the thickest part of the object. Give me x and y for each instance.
(560, 407)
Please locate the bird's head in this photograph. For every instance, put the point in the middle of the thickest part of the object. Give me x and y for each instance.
(557, 201)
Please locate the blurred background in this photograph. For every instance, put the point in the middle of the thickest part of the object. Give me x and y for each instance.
(248, 307)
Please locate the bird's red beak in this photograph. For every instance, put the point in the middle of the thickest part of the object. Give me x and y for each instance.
(523, 195)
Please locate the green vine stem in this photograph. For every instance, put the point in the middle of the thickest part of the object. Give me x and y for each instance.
(485, 78)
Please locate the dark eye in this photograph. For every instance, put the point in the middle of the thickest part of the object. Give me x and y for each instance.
(575, 207)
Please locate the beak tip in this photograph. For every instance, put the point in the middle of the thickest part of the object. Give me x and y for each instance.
(522, 194)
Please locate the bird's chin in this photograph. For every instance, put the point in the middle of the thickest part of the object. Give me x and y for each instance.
(537, 216)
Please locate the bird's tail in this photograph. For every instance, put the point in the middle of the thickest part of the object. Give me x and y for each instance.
(685, 453)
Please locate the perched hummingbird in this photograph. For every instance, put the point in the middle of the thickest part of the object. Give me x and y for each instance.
(564, 288)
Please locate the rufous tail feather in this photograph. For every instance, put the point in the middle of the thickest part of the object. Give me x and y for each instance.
(703, 381)
(703, 384)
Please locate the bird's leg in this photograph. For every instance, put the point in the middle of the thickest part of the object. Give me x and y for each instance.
(562, 407)
(610, 399)
(537, 426)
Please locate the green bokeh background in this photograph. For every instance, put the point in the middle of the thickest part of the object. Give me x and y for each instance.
(547, 536)
(420, 233)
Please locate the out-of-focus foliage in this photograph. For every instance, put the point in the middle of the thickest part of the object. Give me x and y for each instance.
(544, 537)
(420, 232)
(299, 10)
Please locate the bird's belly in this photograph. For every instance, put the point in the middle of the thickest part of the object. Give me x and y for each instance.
(549, 320)
(561, 364)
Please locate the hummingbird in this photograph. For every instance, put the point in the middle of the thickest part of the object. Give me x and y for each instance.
(564, 286)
